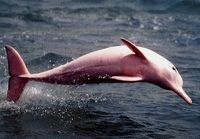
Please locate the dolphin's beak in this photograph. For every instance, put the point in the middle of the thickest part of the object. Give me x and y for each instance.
(180, 92)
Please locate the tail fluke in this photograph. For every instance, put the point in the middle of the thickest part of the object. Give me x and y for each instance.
(15, 88)
(17, 69)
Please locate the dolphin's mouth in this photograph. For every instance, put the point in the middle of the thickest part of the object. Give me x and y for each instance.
(180, 92)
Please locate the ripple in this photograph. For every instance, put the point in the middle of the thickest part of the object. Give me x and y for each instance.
(122, 126)
(161, 136)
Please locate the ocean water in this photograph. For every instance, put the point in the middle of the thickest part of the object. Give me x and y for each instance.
(48, 33)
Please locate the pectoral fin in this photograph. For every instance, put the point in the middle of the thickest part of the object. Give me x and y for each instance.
(127, 78)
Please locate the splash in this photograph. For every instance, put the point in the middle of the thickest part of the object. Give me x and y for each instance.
(46, 99)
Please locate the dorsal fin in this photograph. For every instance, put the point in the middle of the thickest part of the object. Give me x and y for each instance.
(133, 47)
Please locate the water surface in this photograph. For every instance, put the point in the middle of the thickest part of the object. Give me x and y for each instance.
(48, 33)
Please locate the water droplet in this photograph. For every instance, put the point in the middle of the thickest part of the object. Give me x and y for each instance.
(156, 28)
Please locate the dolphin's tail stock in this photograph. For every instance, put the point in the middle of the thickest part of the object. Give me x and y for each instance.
(17, 71)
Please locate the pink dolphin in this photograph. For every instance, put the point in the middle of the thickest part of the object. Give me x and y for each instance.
(126, 63)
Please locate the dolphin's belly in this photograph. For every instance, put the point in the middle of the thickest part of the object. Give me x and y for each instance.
(85, 75)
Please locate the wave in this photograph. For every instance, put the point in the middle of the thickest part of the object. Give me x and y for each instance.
(186, 6)
(170, 6)
(50, 59)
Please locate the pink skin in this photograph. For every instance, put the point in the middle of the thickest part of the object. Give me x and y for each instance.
(114, 64)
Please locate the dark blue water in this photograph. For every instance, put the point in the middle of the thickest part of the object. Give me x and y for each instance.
(48, 33)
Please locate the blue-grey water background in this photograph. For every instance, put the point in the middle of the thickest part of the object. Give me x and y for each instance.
(48, 33)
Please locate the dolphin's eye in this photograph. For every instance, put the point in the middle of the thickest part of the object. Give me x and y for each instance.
(173, 68)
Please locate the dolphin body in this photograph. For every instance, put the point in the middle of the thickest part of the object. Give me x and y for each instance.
(126, 63)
